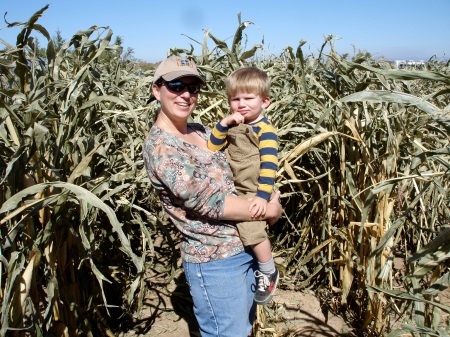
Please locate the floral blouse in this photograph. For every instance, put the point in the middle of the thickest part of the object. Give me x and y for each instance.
(192, 183)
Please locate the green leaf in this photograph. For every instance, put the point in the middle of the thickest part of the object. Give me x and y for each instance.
(441, 284)
(392, 97)
(84, 196)
(432, 255)
(406, 296)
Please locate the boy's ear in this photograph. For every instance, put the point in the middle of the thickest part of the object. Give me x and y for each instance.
(266, 102)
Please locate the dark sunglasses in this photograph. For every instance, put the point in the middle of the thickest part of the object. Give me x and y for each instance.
(178, 86)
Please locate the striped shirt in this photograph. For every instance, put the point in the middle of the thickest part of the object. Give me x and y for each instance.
(266, 135)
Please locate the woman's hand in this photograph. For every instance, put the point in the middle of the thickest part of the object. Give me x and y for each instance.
(274, 209)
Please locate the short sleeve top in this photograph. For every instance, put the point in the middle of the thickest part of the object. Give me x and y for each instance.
(192, 183)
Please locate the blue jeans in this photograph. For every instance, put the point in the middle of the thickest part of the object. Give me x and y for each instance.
(222, 292)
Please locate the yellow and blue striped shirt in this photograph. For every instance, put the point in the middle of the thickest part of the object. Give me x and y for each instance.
(266, 135)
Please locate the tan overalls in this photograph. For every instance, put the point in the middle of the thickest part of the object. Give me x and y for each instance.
(243, 155)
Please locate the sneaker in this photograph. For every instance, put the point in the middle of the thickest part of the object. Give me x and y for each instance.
(267, 284)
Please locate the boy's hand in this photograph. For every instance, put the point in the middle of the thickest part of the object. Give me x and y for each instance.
(233, 119)
(258, 207)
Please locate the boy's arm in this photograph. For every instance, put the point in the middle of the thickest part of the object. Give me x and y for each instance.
(218, 137)
(217, 140)
(268, 151)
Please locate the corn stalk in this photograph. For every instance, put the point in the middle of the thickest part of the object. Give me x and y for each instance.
(364, 175)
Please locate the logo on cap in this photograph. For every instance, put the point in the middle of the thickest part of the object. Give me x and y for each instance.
(184, 63)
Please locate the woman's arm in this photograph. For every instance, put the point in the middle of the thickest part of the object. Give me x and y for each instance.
(236, 209)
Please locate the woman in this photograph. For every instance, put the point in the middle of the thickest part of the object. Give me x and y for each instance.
(196, 189)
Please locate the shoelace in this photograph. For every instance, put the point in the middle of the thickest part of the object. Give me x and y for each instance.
(263, 280)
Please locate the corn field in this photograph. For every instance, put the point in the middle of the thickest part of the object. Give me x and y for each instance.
(364, 175)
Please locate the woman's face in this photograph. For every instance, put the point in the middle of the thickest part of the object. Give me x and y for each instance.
(178, 98)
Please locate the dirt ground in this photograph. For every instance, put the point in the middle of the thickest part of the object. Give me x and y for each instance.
(167, 309)
(299, 313)
(168, 313)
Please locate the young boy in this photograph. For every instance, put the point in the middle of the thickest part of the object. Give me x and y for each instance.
(252, 150)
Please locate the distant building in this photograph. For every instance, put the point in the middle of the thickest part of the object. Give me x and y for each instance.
(408, 64)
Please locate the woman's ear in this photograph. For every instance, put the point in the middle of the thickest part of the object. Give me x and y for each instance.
(155, 90)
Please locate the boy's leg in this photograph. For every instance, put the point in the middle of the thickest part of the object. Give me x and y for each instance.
(263, 251)
(254, 235)
(267, 274)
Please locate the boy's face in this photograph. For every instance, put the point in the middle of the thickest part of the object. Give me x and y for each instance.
(248, 105)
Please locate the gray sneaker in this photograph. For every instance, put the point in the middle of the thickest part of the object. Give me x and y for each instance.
(267, 284)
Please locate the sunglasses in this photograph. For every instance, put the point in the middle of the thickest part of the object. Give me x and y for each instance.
(178, 86)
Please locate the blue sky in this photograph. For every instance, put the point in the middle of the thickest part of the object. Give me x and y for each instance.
(394, 29)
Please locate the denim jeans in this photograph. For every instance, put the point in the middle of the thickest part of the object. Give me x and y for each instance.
(222, 292)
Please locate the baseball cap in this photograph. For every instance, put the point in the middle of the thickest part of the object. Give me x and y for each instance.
(175, 67)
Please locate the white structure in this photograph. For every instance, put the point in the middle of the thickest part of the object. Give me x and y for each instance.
(409, 64)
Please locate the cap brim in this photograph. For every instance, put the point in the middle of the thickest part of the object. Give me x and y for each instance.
(178, 74)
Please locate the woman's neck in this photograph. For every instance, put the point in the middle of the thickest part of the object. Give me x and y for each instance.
(169, 125)
(182, 131)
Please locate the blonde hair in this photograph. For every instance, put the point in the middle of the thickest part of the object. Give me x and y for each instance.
(248, 80)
